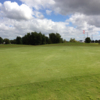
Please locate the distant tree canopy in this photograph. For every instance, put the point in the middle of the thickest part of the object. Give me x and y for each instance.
(6, 41)
(87, 40)
(18, 40)
(72, 40)
(55, 38)
(1, 40)
(35, 38)
(95, 41)
(13, 41)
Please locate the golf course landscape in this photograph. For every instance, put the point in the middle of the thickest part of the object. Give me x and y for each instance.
(64, 71)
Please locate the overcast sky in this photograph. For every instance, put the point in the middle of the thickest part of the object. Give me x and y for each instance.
(67, 17)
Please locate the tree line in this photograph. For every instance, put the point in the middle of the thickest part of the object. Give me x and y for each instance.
(88, 40)
(34, 38)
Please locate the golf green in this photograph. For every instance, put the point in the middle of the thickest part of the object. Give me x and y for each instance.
(66, 71)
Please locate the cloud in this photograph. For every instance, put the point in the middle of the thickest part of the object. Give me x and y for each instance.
(13, 11)
(84, 22)
(38, 14)
(17, 20)
(83, 19)
(0, 5)
(10, 28)
(39, 4)
(88, 7)
(65, 7)
(48, 12)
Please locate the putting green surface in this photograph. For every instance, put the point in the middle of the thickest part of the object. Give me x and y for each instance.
(50, 72)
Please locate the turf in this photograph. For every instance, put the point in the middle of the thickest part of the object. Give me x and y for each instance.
(65, 71)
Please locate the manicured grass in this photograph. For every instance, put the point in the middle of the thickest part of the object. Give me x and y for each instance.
(65, 71)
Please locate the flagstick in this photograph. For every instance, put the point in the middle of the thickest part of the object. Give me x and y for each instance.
(84, 37)
(87, 34)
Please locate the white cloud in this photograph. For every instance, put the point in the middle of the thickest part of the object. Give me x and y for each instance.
(85, 20)
(38, 4)
(0, 5)
(18, 20)
(10, 28)
(14, 11)
(91, 8)
(38, 14)
(48, 12)
(82, 22)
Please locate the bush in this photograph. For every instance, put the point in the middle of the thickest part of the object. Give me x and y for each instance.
(87, 40)
(73, 40)
(1, 40)
(6, 41)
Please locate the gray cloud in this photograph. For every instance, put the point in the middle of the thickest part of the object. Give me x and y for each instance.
(80, 19)
(88, 7)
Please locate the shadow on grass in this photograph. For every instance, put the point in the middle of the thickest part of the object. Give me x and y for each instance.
(74, 88)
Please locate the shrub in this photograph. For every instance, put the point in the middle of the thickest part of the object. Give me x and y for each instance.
(87, 40)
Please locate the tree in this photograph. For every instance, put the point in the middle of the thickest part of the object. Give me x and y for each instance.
(43, 39)
(52, 37)
(13, 41)
(87, 40)
(96, 41)
(58, 38)
(34, 38)
(92, 41)
(28, 38)
(55, 38)
(99, 41)
(7, 41)
(1, 40)
(39, 38)
(72, 40)
(47, 40)
(23, 40)
(19, 40)
(64, 41)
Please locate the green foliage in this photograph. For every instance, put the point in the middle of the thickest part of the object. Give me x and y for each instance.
(72, 40)
(38, 38)
(96, 41)
(87, 40)
(13, 41)
(6, 41)
(1, 40)
(35, 38)
(55, 38)
(47, 40)
(18, 40)
(43, 39)
(28, 40)
(99, 41)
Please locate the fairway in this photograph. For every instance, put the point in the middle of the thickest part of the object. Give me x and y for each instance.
(50, 72)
